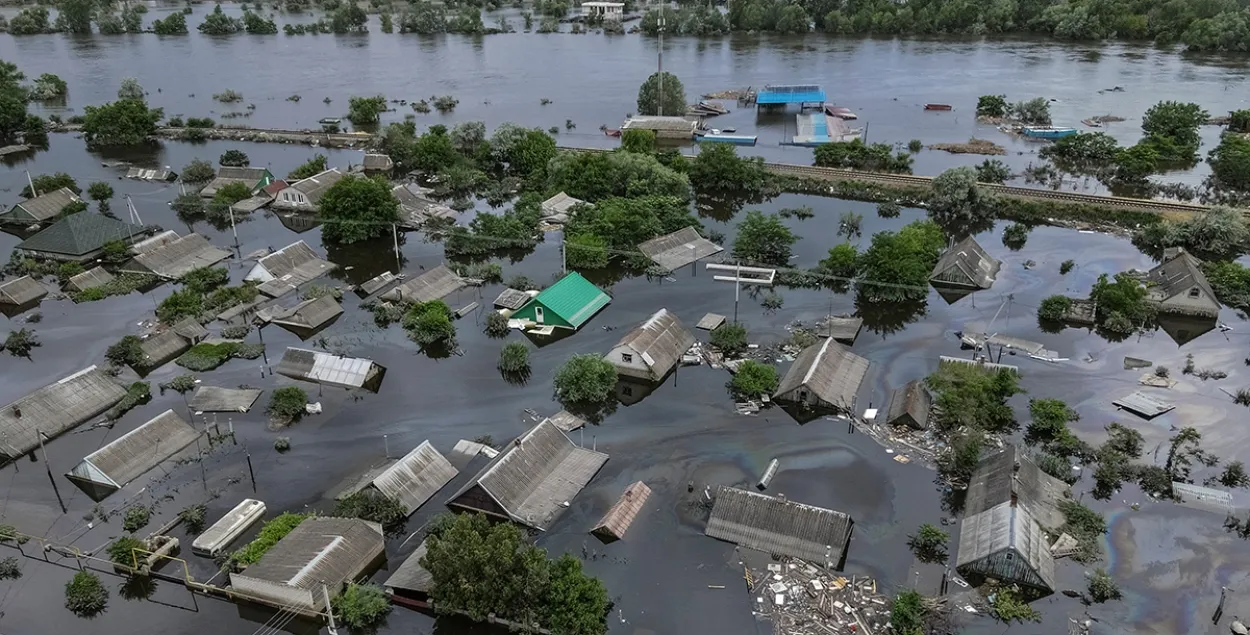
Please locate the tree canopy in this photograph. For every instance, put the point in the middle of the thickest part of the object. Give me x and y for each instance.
(585, 379)
(959, 205)
(901, 260)
(594, 176)
(357, 208)
(662, 94)
(763, 240)
(120, 123)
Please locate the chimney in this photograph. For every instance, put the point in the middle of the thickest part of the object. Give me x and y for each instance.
(17, 412)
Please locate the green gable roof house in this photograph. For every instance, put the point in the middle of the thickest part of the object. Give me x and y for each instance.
(40, 208)
(80, 237)
(567, 304)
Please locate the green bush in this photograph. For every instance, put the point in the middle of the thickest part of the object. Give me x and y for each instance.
(282, 444)
(585, 379)
(1015, 235)
(10, 569)
(20, 342)
(180, 304)
(487, 272)
(205, 279)
(1055, 308)
(497, 325)
(1102, 588)
(122, 551)
(136, 518)
(137, 394)
(753, 379)
(205, 357)
(514, 358)
(273, 531)
(429, 323)
(373, 506)
(287, 403)
(128, 351)
(85, 595)
(236, 332)
(193, 518)
(731, 339)
(361, 606)
(8, 533)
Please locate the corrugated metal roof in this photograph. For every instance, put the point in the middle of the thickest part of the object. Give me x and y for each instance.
(511, 299)
(377, 283)
(216, 399)
(573, 298)
(415, 208)
(315, 186)
(411, 576)
(1011, 475)
(561, 204)
(435, 284)
(909, 405)
(56, 408)
(375, 161)
(623, 512)
(660, 341)
(535, 475)
(89, 279)
(1143, 405)
(1007, 544)
(310, 314)
(40, 208)
(710, 322)
(678, 249)
(151, 174)
(229, 527)
(294, 264)
(844, 330)
(20, 291)
(829, 370)
(779, 526)
(137, 451)
(163, 347)
(566, 421)
(326, 368)
(81, 234)
(966, 264)
(417, 477)
(175, 258)
(319, 550)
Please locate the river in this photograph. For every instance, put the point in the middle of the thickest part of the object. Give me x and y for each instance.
(1170, 561)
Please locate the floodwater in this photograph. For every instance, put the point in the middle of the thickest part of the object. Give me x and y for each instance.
(1170, 561)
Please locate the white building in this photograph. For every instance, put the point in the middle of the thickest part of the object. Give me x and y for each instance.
(605, 10)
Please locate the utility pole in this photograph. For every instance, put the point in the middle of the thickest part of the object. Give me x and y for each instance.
(564, 264)
(31, 183)
(386, 445)
(249, 468)
(49, 466)
(395, 240)
(660, 72)
(325, 593)
(737, 290)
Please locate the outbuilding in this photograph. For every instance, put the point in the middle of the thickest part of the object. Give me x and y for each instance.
(567, 304)
(966, 266)
(289, 267)
(22, 291)
(171, 256)
(331, 370)
(39, 209)
(825, 375)
(413, 479)
(435, 284)
(113, 466)
(309, 317)
(1177, 286)
(55, 409)
(254, 178)
(89, 279)
(305, 195)
(678, 249)
(781, 527)
(652, 349)
(909, 405)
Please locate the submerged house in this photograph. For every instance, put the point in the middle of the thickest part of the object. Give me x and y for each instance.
(678, 249)
(567, 304)
(559, 208)
(1009, 503)
(312, 563)
(113, 466)
(778, 526)
(305, 194)
(331, 370)
(151, 174)
(531, 480)
(286, 269)
(909, 405)
(22, 291)
(89, 279)
(413, 479)
(80, 237)
(411, 580)
(825, 375)
(55, 409)
(308, 317)
(416, 209)
(664, 127)
(167, 345)
(376, 162)
(39, 209)
(965, 266)
(435, 284)
(622, 514)
(1177, 286)
(171, 256)
(652, 349)
(254, 178)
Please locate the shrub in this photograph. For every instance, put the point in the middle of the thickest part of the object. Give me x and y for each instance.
(273, 531)
(193, 518)
(205, 357)
(1007, 607)
(731, 339)
(1015, 235)
(361, 606)
(180, 304)
(182, 384)
(1102, 587)
(282, 444)
(230, 96)
(234, 158)
(373, 506)
(136, 518)
(585, 379)
(514, 358)
(889, 209)
(20, 342)
(198, 171)
(1055, 308)
(122, 550)
(929, 544)
(772, 301)
(1087, 526)
(1065, 267)
(137, 394)
(287, 403)
(914, 146)
(10, 569)
(497, 325)
(204, 279)
(8, 533)
(753, 379)
(429, 323)
(85, 595)
(236, 332)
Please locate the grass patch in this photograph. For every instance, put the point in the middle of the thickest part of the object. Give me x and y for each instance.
(137, 394)
(206, 357)
(269, 535)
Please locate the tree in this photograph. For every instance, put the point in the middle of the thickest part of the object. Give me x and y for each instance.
(130, 89)
(433, 151)
(218, 23)
(763, 240)
(902, 261)
(468, 136)
(12, 113)
(1007, 607)
(840, 263)
(429, 323)
(120, 123)
(960, 460)
(1183, 450)
(573, 602)
(19, 343)
(907, 613)
(1082, 152)
(180, 304)
(718, 170)
(75, 16)
(204, 279)
(662, 94)
(357, 208)
(753, 379)
(311, 167)
(373, 506)
(172, 24)
(1135, 163)
(1234, 475)
(287, 403)
(585, 379)
(193, 515)
(361, 606)
(792, 19)
(855, 154)
(1015, 235)
(1122, 305)
(198, 171)
(1054, 308)
(638, 140)
(958, 204)
(514, 358)
(1230, 162)
(1239, 120)
(100, 192)
(967, 396)
(729, 339)
(30, 21)
(1050, 419)
(586, 251)
(257, 24)
(363, 111)
(85, 595)
(496, 325)
(49, 87)
(929, 544)
(993, 171)
(128, 351)
(45, 183)
(1175, 122)
(234, 158)
(1034, 112)
(1102, 587)
(348, 18)
(992, 106)
(593, 177)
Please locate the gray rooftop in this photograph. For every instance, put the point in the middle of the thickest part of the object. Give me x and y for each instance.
(150, 174)
(415, 478)
(1144, 405)
(21, 291)
(659, 341)
(411, 576)
(661, 124)
(966, 265)
(566, 421)
(561, 204)
(779, 526)
(216, 399)
(843, 329)
(55, 409)
(172, 257)
(80, 234)
(40, 208)
(512, 299)
(136, 452)
(415, 208)
(377, 283)
(309, 315)
(909, 405)
(163, 347)
(678, 249)
(294, 265)
(375, 161)
(829, 370)
(435, 284)
(532, 478)
(330, 369)
(710, 322)
(1177, 274)
(1009, 476)
(89, 279)
(315, 186)
(1006, 543)
(319, 550)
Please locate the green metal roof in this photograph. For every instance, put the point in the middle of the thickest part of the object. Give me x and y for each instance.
(573, 298)
(80, 234)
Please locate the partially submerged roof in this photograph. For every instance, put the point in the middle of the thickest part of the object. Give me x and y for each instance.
(251, 177)
(21, 291)
(511, 299)
(1204, 498)
(778, 526)
(573, 298)
(151, 174)
(1007, 544)
(44, 207)
(89, 279)
(623, 512)
(531, 479)
(661, 124)
(415, 208)
(1144, 405)
(315, 186)
(217, 399)
(309, 315)
(1178, 274)
(377, 161)
(829, 370)
(80, 234)
(411, 576)
(1011, 476)
(566, 421)
(172, 259)
(843, 329)
(330, 369)
(161, 348)
(561, 204)
(660, 341)
(415, 478)
(909, 405)
(435, 284)
(376, 283)
(678, 249)
(320, 550)
(966, 265)
(294, 265)
(56, 408)
(710, 322)
(136, 452)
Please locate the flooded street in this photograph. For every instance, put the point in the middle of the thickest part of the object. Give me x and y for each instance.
(1170, 561)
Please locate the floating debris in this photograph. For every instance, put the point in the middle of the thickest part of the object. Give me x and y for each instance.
(803, 599)
(973, 146)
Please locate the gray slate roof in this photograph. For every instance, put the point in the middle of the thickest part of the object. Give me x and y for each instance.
(533, 477)
(1176, 275)
(20, 291)
(329, 369)
(566, 421)
(909, 405)
(377, 283)
(55, 409)
(216, 399)
(966, 265)
(560, 204)
(660, 341)
(1009, 475)
(89, 279)
(174, 256)
(80, 234)
(678, 249)
(41, 208)
(163, 347)
(309, 315)
(779, 526)
(319, 550)
(294, 264)
(415, 478)
(411, 576)
(435, 284)
(136, 452)
(512, 299)
(829, 370)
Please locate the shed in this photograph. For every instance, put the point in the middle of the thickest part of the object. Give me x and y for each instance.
(1007, 544)
(532, 479)
(55, 409)
(319, 551)
(217, 399)
(162, 348)
(782, 94)
(622, 514)
(558, 208)
(151, 174)
(566, 421)
(414, 478)
(1011, 476)
(678, 249)
(909, 405)
(664, 127)
(652, 349)
(568, 304)
(511, 299)
(411, 580)
(113, 466)
(416, 208)
(41, 208)
(80, 237)
(174, 256)
(435, 284)
(843, 329)
(22, 291)
(294, 265)
(331, 370)
(215, 539)
(310, 316)
(89, 279)
(1177, 286)
(254, 178)
(305, 195)
(779, 526)
(966, 266)
(826, 375)
(375, 284)
(376, 162)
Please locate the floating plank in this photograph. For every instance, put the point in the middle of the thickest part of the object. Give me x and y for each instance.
(465, 310)
(710, 322)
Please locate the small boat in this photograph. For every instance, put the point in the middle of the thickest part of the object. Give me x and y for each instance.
(330, 121)
(1092, 123)
(1048, 132)
(612, 132)
(729, 130)
(937, 107)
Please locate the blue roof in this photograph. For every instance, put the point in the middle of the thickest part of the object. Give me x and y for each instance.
(798, 94)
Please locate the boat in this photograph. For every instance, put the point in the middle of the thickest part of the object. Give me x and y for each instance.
(330, 121)
(841, 112)
(937, 107)
(729, 130)
(612, 132)
(719, 137)
(1092, 123)
(1048, 132)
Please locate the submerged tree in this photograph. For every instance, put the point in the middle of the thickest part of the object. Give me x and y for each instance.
(959, 205)
(662, 94)
(587, 379)
(929, 544)
(763, 240)
(357, 208)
